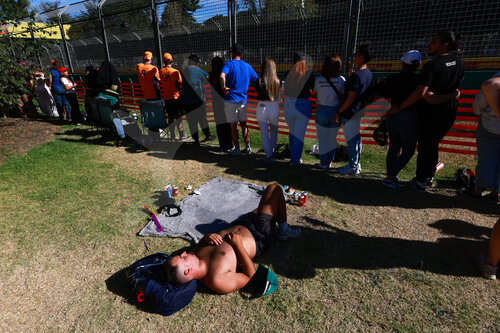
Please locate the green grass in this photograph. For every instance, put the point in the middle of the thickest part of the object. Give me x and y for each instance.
(70, 211)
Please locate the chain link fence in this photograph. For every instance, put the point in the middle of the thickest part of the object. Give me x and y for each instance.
(122, 30)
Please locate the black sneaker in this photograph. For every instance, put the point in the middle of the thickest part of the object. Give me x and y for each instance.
(209, 138)
(394, 183)
(417, 186)
(429, 181)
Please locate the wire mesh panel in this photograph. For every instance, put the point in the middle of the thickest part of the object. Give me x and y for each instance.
(129, 29)
(194, 27)
(393, 27)
(279, 28)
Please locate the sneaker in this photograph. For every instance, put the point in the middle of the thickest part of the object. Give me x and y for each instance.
(292, 232)
(392, 183)
(235, 152)
(348, 170)
(247, 150)
(323, 166)
(183, 137)
(298, 163)
(429, 181)
(417, 186)
(493, 197)
(268, 160)
(470, 193)
(487, 271)
(209, 138)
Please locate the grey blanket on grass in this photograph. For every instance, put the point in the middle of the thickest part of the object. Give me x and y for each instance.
(220, 202)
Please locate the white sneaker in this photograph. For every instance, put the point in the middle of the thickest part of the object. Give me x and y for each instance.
(347, 170)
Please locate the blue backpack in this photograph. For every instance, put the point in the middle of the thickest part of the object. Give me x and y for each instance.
(147, 277)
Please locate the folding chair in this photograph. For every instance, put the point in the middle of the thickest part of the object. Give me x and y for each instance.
(153, 115)
(106, 116)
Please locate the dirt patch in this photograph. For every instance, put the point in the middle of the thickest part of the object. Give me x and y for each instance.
(18, 135)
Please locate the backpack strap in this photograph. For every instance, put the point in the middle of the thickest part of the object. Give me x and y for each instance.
(334, 88)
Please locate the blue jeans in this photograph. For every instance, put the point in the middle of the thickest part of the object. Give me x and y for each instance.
(402, 129)
(297, 115)
(353, 138)
(488, 164)
(327, 131)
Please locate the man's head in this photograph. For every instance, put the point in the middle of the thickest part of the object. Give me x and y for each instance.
(411, 60)
(237, 50)
(148, 57)
(167, 58)
(182, 268)
(362, 56)
(193, 60)
(443, 42)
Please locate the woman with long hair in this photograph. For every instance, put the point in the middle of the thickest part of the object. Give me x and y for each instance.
(223, 128)
(298, 84)
(268, 109)
(329, 87)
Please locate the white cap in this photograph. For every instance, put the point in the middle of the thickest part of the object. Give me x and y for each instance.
(412, 57)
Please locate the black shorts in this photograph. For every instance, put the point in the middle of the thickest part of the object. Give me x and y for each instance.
(262, 228)
(173, 107)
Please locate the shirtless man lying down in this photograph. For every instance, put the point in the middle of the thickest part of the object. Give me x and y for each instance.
(223, 261)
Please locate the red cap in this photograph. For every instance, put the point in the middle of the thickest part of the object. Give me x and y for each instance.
(62, 69)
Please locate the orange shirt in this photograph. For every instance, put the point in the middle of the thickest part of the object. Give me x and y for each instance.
(146, 74)
(170, 83)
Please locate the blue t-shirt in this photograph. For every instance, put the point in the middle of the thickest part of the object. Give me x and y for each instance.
(192, 85)
(238, 76)
(359, 81)
(55, 78)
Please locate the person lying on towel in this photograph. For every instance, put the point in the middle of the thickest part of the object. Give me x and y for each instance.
(223, 261)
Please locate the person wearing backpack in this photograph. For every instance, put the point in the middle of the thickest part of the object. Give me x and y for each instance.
(350, 112)
(329, 87)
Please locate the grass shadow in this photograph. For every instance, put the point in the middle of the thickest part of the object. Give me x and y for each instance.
(322, 246)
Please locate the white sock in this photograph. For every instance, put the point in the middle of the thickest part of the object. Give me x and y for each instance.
(283, 227)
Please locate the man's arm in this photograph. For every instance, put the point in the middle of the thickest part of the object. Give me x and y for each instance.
(223, 82)
(415, 96)
(432, 98)
(231, 281)
(351, 97)
(491, 91)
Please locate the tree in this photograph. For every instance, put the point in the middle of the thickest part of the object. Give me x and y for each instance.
(14, 77)
(179, 13)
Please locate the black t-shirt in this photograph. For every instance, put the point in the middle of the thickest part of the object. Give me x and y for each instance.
(442, 75)
(397, 87)
(359, 81)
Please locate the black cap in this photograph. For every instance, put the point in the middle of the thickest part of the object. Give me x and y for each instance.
(237, 48)
(298, 56)
(193, 58)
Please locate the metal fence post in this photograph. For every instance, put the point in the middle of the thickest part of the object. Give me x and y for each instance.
(356, 28)
(156, 31)
(103, 30)
(347, 38)
(231, 15)
(63, 36)
(30, 26)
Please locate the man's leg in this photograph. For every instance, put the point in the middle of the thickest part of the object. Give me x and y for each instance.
(273, 203)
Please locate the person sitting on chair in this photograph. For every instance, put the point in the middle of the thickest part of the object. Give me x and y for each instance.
(223, 261)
